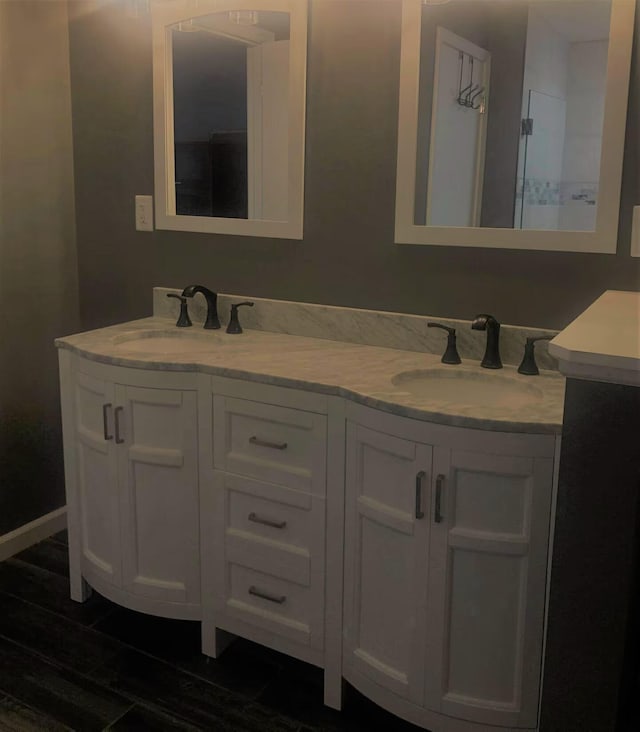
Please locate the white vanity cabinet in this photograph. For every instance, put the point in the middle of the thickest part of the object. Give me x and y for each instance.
(131, 463)
(263, 478)
(446, 539)
(407, 557)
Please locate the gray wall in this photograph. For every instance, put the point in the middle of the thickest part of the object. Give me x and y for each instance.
(347, 256)
(38, 276)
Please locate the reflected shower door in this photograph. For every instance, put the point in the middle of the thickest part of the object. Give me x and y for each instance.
(540, 186)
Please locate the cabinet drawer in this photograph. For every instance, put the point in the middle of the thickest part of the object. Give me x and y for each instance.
(273, 529)
(268, 512)
(285, 608)
(276, 444)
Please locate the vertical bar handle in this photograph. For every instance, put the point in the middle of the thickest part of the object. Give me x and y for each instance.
(437, 516)
(105, 421)
(419, 480)
(119, 440)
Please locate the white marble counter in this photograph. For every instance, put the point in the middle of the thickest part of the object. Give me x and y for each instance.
(603, 343)
(359, 372)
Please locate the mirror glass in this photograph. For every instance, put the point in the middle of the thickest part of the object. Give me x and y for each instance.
(229, 87)
(511, 124)
(510, 113)
(230, 79)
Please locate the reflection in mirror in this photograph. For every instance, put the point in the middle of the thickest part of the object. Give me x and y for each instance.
(511, 123)
(230, 80)
(229, 115)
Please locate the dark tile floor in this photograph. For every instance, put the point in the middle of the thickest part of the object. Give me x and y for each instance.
(97, 666)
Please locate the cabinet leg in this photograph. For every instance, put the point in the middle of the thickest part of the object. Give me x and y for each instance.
(333, 690)
(80, 590)
(215, 641)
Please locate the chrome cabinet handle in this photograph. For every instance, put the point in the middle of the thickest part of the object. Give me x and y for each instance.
(265, 443)
(267, 522)
(439, 488)
(105, 421)
(419, 479)
(119, 440)
(279, 599)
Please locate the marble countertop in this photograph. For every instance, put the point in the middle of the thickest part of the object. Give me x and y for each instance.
(603, 343)
(359, 372)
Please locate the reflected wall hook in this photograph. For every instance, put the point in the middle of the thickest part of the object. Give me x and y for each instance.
(474, 97)
(471, 94)
(467, 96)
(462, 95)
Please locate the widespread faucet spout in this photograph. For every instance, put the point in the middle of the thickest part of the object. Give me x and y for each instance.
(491, 359)
(212, 322)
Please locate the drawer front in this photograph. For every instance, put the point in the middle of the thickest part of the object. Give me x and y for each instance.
(267, 512)
(284, 608)
(271, 557)
(271, 443)
(273, 529)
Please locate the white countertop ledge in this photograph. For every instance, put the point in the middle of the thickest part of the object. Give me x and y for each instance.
(603, 343)
(353, 371)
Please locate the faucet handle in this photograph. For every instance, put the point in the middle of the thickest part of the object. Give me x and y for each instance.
(184, 321)
(234, 324)
(451, 353)
(528, 366)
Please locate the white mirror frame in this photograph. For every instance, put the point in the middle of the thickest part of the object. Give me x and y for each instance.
(166, 14)
(603, 239)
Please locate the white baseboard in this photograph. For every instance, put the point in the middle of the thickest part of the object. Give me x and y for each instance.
(33, 532)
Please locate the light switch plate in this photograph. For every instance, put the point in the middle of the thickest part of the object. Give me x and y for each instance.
(144, 213)
(635, 232)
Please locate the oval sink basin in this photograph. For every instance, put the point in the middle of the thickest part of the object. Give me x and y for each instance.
(467, 387)
(174, 342)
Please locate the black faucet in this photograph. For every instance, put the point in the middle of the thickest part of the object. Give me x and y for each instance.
(491, 358)
(529, 365)
(212, 321)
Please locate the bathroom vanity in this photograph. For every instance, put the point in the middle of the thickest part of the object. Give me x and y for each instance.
(314, 496)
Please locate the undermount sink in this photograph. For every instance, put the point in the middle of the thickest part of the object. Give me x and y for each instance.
(449, 386)
(168, 342)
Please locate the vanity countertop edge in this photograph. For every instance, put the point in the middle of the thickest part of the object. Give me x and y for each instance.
(353, 371)
(603, 342)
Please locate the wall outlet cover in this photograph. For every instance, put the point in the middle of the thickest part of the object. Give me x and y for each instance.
(144, 213)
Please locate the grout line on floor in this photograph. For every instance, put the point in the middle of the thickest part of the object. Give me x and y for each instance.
(57, 614)
(54, 541)
(118, 718)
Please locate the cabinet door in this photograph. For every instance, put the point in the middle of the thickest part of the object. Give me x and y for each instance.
(94, 402)
(386, 559)
(158, 471)
(487, 586)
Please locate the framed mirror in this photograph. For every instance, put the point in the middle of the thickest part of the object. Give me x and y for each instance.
(511, 123)
(229, 115)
